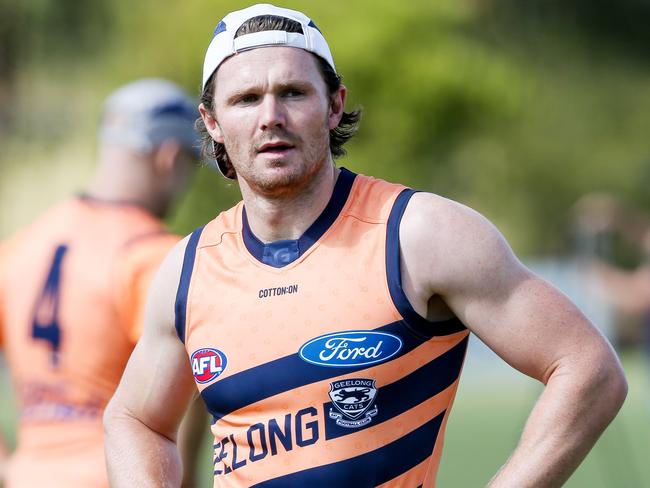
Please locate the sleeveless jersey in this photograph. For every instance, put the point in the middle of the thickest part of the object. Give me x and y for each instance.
(315, 367)
(72, 292)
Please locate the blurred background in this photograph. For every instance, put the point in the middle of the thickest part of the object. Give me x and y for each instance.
(534, 113)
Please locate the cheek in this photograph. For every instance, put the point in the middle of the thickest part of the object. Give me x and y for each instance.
(236, 125)
(237, 141)
(316, 122)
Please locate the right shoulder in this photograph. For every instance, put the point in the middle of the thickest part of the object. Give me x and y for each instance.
(167, 299)
(160, 309)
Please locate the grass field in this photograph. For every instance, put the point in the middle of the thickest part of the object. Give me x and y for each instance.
(491, 407)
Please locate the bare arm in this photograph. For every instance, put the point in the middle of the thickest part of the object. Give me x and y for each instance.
(142, 419)
(451, 252)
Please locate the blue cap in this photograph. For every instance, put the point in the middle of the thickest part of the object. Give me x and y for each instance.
(143, 114)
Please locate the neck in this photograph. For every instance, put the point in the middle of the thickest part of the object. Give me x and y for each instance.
(289, 216)
(123, 176)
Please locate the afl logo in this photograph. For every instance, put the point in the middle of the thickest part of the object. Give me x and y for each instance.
(207, 364)
(350, 349)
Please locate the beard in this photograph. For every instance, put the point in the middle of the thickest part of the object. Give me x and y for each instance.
(284, 176)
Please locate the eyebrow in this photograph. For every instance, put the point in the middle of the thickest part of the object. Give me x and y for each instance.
(246, 90)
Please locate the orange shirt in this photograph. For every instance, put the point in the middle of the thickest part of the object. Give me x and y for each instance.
(72, 291)
(311, 360)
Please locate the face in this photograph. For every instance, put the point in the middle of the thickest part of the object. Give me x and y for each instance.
(273, 113)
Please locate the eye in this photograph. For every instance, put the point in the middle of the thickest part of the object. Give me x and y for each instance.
(247, 99)
(293, 93)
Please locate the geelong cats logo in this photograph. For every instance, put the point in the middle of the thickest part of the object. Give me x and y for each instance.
(353, 398)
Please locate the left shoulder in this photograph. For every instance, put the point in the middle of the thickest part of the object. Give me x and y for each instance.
(450, 243)
(434, 213)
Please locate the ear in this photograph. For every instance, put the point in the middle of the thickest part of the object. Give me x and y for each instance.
(211, 124)
(337, 105)
(165, 157)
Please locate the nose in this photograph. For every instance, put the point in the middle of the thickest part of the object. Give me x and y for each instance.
(272, 114)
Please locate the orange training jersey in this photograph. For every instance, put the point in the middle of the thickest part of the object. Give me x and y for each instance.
(72, 290)
(314, 366)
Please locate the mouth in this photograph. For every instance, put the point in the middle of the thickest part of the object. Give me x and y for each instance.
(275, 147)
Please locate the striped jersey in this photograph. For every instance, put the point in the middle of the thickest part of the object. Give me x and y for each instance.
(315, 368)
(72, 291)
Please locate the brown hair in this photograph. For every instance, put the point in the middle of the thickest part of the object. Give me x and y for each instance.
(342, 133)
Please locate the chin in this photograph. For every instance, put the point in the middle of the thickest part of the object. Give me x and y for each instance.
(281, 178)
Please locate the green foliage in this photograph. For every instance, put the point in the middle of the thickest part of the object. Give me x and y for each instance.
(516, 110)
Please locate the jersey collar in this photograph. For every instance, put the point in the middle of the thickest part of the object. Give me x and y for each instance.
(281, 253)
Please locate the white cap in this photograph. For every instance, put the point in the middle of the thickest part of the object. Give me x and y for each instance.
(143, 114)
(223, 43)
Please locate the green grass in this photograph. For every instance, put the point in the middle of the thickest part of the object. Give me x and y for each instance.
(489, 415)
(491, 407)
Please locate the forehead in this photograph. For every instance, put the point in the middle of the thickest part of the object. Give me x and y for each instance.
(267, 65)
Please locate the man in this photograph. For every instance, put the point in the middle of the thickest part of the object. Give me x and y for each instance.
(325, 318)
(73, 285)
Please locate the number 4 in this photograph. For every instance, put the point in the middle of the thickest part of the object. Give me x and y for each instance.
(45, 324)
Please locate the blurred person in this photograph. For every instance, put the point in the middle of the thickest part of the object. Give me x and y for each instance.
(598, 218)
(74, 282)
(325, 318)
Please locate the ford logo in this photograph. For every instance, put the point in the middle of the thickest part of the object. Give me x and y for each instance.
(350, 349)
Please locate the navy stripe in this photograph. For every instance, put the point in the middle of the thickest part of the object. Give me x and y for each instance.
(180, 306)
(221, 27)
(312, 24)
(285, 374)
(402, 395)
(415, 321)
(370, 469)
(290, 250)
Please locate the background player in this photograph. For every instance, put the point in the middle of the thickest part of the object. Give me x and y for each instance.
(73, 285)
(345, 257)
(600, 221)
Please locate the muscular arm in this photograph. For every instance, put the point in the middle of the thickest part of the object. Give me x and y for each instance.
(451, 253)
(142, 419)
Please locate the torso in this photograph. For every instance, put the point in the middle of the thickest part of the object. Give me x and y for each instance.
(308, 354)
(65, 334)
